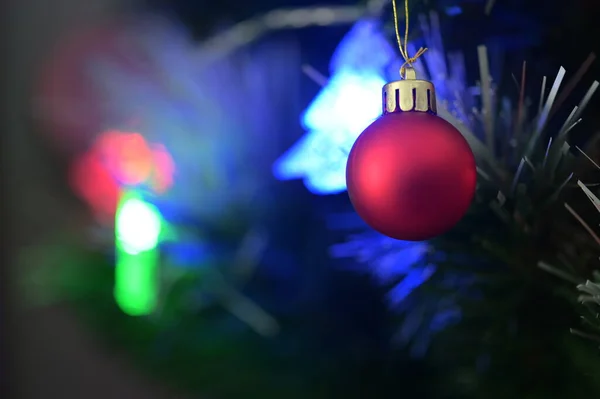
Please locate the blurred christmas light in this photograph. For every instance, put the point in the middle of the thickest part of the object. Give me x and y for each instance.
(388, 258)
(337, 116)
(345, 106)
(453, 11)
(127, 155)
(345, 103)
(92, 181)
(137, 226)
(178, 113)
(120, 159)
(164, 167)
(143, 80)
(364, 48)
(137, 230)
(134, 161)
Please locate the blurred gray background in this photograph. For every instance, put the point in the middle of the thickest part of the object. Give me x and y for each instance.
(50, 355)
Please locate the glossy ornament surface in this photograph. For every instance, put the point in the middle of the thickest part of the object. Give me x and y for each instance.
(411, 175)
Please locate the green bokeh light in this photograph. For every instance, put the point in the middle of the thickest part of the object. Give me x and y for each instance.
(138, 227)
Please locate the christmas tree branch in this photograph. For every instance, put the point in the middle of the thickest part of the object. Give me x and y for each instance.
(589, 291)
(245, 32)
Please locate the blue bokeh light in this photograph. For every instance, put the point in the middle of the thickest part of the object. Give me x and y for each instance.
(334, 120)
(346, 105)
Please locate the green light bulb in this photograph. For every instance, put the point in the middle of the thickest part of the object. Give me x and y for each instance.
(137, 231)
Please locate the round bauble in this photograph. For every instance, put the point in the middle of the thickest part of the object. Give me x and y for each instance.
(411, 175)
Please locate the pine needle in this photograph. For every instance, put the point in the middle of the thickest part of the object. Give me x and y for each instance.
(558, 272)
(583, 223)
(585, 335)
(315, 75)
(573, 82)
(486, 96)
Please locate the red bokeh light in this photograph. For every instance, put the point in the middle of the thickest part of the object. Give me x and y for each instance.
(120, 159)
(92, 181)
(127, 155)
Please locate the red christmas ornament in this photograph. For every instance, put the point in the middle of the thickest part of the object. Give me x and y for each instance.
(411, 175)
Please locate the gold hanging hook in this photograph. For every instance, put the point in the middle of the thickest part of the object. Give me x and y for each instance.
(408, 61)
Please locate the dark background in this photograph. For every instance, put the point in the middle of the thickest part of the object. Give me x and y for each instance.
(46, 353)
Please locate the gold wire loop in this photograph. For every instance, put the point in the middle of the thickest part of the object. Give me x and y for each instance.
(408, 61)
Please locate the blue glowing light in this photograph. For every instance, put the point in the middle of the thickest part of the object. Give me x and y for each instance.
(347, 104)
(453, 11)
(344, 108)
(388, 260)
